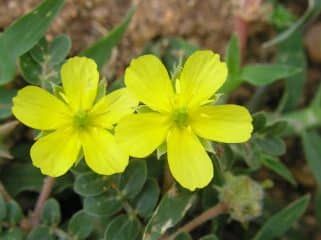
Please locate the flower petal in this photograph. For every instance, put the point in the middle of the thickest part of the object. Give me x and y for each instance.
(141, 134)
(111, 108)
(38, 109)
(56, 152)
(188, 161)
(80, 82)
(224, 123)
(202, 75)
(102, 153)
(148, 80)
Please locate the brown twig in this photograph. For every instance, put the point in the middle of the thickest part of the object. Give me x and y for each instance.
(199, 220)
(43, 196)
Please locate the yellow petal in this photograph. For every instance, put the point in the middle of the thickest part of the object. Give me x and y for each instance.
(56, 152)
(38, 109)
(141, 134)
(80, 82)
(111, 108)
(188, 161)
(223, 123)
(202, 75)
(102, 153)
(148, 80)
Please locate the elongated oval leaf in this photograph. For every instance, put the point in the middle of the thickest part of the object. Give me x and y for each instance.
(233, 61)
(41, 232)
(122, 228)
(14, 212)
(80, 225)
(23, 34)
(263, 74)
(133, 179)
(169, 212)
(278, 167)
(51, 213)
(280, 222)
(106, 204)
(146, 201)
(91, 184)
(312, 148)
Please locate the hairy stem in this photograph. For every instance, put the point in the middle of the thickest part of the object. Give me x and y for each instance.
(199, 220)
(43, 196)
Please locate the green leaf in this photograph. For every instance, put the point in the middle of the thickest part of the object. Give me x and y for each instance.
(6, 96)
(169, 212)
(233, 61)
(106, 204)
(40, 65)
(39, 51)
(14, 212)
(280, 222)
(263, 74)
(91, 184)
(278, 167)
(13, 233)
(122, 227)
(101, 50)
(209, 237)
(3, 208)
(40, 232)
(23, 34)
(312, 149)
(20, 177)
(146, 201)
(30, 69)
(51, 213)
(259, 121)
(274, 146)
(59, 49)
(275, 129)
(313, 11)
(292, 53)
(80, 225)
(133, 179)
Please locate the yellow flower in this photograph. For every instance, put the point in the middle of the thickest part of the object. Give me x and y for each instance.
(76, 122)
(181, 116)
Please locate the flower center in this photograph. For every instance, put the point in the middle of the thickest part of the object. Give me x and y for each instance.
(81, 119)
(180, 117)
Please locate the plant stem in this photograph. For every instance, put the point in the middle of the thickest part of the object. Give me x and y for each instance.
(199, 220)
(43, 196)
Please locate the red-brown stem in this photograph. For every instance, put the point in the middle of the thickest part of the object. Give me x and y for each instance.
(199, 220)
(241, 31)
(245, 13)
(43, 196)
